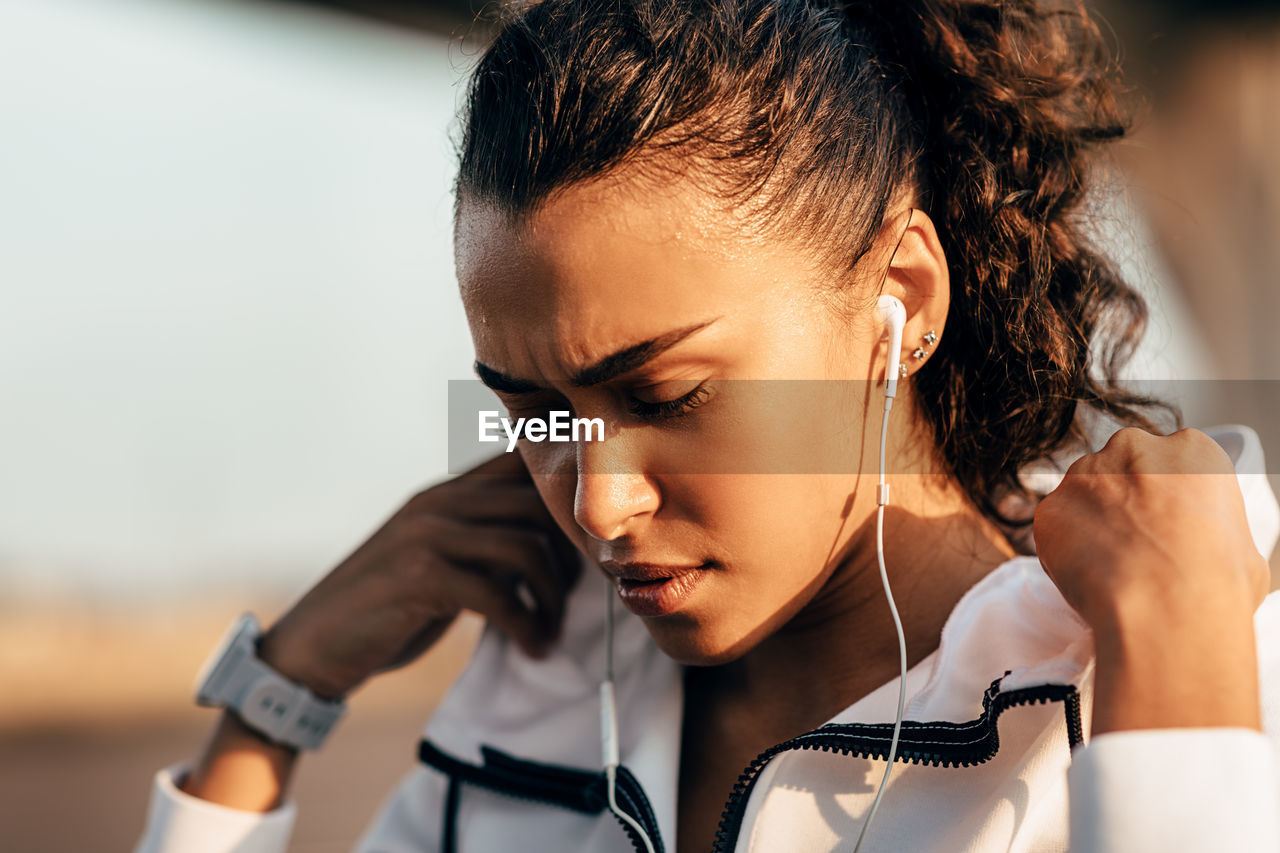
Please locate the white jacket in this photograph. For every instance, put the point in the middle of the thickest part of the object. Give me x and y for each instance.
(993, 758)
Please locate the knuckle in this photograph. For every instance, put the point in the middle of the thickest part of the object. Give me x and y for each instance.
(1199, 445)
(1047, 512)
(1127, 438)
(1201, 439)
(1080, 465)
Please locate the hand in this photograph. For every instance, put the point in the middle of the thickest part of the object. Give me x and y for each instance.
(1148, 540)
(468, 543)
(1151, 522)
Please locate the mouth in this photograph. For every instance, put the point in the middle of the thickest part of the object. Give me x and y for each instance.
(650, 589)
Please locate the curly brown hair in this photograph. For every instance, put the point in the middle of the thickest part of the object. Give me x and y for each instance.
(823, 113)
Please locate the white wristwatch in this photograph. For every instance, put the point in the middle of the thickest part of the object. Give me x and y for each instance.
(284, 712)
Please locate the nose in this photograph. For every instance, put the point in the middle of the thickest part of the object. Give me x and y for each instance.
(612, 493)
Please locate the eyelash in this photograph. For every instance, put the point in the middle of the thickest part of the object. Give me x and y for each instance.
(670, 409)
(643, 409)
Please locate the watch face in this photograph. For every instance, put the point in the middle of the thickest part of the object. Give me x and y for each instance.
(245, 626)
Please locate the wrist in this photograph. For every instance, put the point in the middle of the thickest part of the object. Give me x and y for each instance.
(281, 709)
(241, 769)
(1166, 664)
(1138, 596)
(276, 652)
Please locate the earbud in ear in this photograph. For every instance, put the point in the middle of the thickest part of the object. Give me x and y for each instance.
(894, 314)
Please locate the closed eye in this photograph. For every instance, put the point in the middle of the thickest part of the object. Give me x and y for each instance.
(645, 410)
(670, 409)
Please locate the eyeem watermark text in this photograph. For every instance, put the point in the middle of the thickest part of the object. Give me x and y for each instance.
(559, 427)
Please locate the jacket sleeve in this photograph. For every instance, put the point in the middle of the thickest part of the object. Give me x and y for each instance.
(1190, 789)
(180, 823)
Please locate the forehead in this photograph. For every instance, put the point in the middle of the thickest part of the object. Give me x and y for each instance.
(610, 263)
(615, 216)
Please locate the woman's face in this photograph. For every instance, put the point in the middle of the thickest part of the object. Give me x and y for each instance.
(720, 521)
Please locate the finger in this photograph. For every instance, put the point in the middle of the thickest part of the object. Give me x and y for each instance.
(522, 557)
(514, 553)
(511, 504)
(492, 501)
(484, 500)
(500, 605)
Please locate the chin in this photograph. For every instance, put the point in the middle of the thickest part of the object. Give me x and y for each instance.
(691, 643)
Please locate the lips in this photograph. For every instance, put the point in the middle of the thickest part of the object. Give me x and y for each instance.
(646, 571)
(654, 589)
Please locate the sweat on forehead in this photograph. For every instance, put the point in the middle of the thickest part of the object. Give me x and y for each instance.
(671, 209)
(610, 240)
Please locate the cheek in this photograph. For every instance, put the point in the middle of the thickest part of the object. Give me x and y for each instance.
(772, 534)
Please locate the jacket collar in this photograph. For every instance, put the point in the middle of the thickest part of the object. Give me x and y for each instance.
(539, 720)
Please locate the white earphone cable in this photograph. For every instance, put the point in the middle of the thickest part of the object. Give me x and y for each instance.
(882, 499)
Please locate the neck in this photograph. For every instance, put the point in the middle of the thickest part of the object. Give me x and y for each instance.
(844, 634)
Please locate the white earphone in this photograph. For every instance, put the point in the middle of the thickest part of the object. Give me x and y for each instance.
(894, 314)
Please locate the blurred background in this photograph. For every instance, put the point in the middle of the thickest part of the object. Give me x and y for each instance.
(228, 315)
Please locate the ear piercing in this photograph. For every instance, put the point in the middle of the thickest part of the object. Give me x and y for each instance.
(919, 353)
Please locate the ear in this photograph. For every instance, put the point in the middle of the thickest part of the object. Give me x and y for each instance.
(918, 275)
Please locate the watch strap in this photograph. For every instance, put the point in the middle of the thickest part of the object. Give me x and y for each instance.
(284, 712)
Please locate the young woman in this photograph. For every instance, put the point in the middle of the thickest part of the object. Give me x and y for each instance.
(675, 217)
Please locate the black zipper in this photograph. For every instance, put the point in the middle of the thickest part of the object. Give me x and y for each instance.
(633, 800)
(566, 787)
(938, 744)
(942, 744)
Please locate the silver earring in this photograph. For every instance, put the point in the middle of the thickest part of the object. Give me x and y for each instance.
(902, 371)
(930, 339)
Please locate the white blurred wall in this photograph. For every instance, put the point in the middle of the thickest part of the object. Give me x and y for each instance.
(228, 310)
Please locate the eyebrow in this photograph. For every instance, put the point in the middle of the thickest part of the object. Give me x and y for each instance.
(611, 366)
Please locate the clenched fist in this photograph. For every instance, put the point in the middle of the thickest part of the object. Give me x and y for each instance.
(1148, 540)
